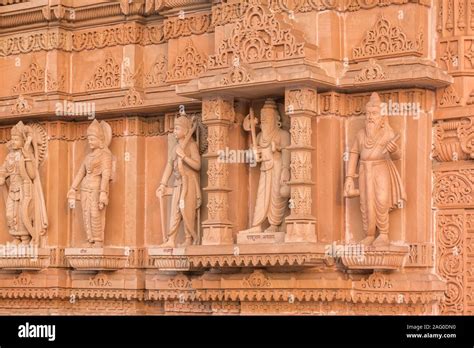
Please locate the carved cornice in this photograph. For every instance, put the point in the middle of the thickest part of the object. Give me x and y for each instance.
(228, 12)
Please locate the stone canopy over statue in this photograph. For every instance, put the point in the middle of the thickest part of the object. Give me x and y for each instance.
(21, 183)
(270, 148)
(380, 186)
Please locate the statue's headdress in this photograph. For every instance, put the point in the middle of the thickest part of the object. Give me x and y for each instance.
(101, 130)
(19, 129)
(271, 104)
(374, 100)
(183, 121)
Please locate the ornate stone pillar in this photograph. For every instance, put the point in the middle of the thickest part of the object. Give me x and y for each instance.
(217, 114)
(300, 105)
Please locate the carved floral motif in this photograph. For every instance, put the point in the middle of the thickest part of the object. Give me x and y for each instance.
(106, 75)
(450, 237)
(371, 72)
(257, 37)
(385, 39)
(189, 64)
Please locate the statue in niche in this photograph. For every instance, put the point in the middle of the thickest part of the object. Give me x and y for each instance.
(380, 186)
(184, 164)
(27, 219)
(271, 150)
(92, 180)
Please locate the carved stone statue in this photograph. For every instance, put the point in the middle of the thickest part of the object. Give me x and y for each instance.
(184, 165)
(270, 148)
(380, 186)
(19, 175)
(93, 177)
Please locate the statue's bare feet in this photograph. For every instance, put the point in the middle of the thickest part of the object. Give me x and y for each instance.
(367, 240)
(98, 244)
(187, 242)
(382, 240)
(255, 229)
(168, 244)
(16, 241)
(272, 228)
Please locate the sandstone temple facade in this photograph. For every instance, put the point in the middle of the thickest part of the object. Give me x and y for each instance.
(237, 157)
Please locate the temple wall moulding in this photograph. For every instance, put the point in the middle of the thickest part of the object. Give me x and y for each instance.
(121, 127)
(341, 104)
(222, 13)
(226, 12)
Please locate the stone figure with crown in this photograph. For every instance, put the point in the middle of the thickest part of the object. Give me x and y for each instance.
(21, 181)
(184, 165)
(91, 184)
(380, 186)
(271, 151)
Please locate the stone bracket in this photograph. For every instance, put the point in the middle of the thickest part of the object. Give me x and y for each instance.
(392, 257)
(35, 260)
(96, 259)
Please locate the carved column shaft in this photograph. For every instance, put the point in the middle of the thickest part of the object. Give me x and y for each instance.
(300, 105)
(217, 114)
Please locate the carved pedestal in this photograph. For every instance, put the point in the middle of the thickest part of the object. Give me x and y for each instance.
(96, 259)
(28, 258)
(381, 258)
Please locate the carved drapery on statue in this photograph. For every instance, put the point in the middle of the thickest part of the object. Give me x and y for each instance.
(184, 165)
(380, 186)
(92, 180)
(270, 147)
(20, 178)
